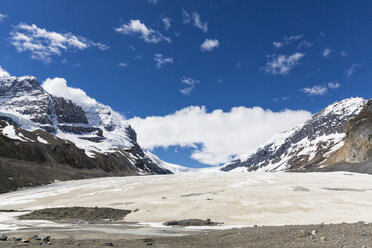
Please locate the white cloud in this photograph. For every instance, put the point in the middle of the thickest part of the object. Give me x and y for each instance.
(3, 73)
(195, 18)
(2, 17)
(333, 85)
(352, 69)
(122, 64)
(153, 1)
(43, 44)
(161, 60)
(209, 45)
(326, 53)
(277, 44)
(282, 64)
(167, 22)
(136, 27)
(189, 85)
(343, 53)
(289, 39)
(304, 44)
(222, 135)
(316, 90)
(186, 18)
(58, 87)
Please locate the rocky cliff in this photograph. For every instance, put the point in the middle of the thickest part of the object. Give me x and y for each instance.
(358, 145)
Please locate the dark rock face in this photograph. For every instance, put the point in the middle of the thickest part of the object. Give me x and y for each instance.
(287, 152)
(79, 129)
(25, 96)
(68, 112)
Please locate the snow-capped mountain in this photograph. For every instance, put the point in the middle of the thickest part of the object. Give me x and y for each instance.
(309, 144)
(91, 126)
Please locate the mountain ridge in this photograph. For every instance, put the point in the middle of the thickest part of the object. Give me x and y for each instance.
(37, 127)
(309, 144)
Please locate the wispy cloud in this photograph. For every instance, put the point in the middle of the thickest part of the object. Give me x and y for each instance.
(326, 53)
(153, 1)
(3, 73)
(209, 45)
(352, 69)
(289, 39)
(343, 53)
(194, 17)
(43, 44)
(316, 90)
(286, 40)
(282, 64)
(123, 64)
(189, 85)
(321, 90)
(333, 85)
(304, 44)
(161, 60)
(278, 44)
(238, 65)
(167, 22)
(281, 99)
(136, 27)
(2, 17)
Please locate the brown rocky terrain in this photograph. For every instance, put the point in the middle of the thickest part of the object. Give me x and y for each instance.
(358, 235)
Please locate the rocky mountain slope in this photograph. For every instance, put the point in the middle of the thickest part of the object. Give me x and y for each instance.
(309, 145)
(39, 128)
(358, 145)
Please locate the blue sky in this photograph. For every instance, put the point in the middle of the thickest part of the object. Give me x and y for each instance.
(298, 55)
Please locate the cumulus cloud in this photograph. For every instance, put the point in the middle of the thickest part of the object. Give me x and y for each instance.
(277, 44)
(58, 87)
(160, 60)
(220, 135)
(352, 69)
(189, 85)
(43, 44)
(194, 17)
(167, 22)
(326, 53)
(2, 17)
(282, 64)
(136, 27)
(209, 45)
(316, 90)
(3, 73)
(333, 85)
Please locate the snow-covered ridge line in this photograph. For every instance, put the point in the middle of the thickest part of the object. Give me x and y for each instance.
(311, 143)
(26, 102)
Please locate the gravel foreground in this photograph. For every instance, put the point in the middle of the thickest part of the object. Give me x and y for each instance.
(332, 235)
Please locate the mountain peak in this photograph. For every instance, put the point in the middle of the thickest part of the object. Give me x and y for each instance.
(309, 144)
